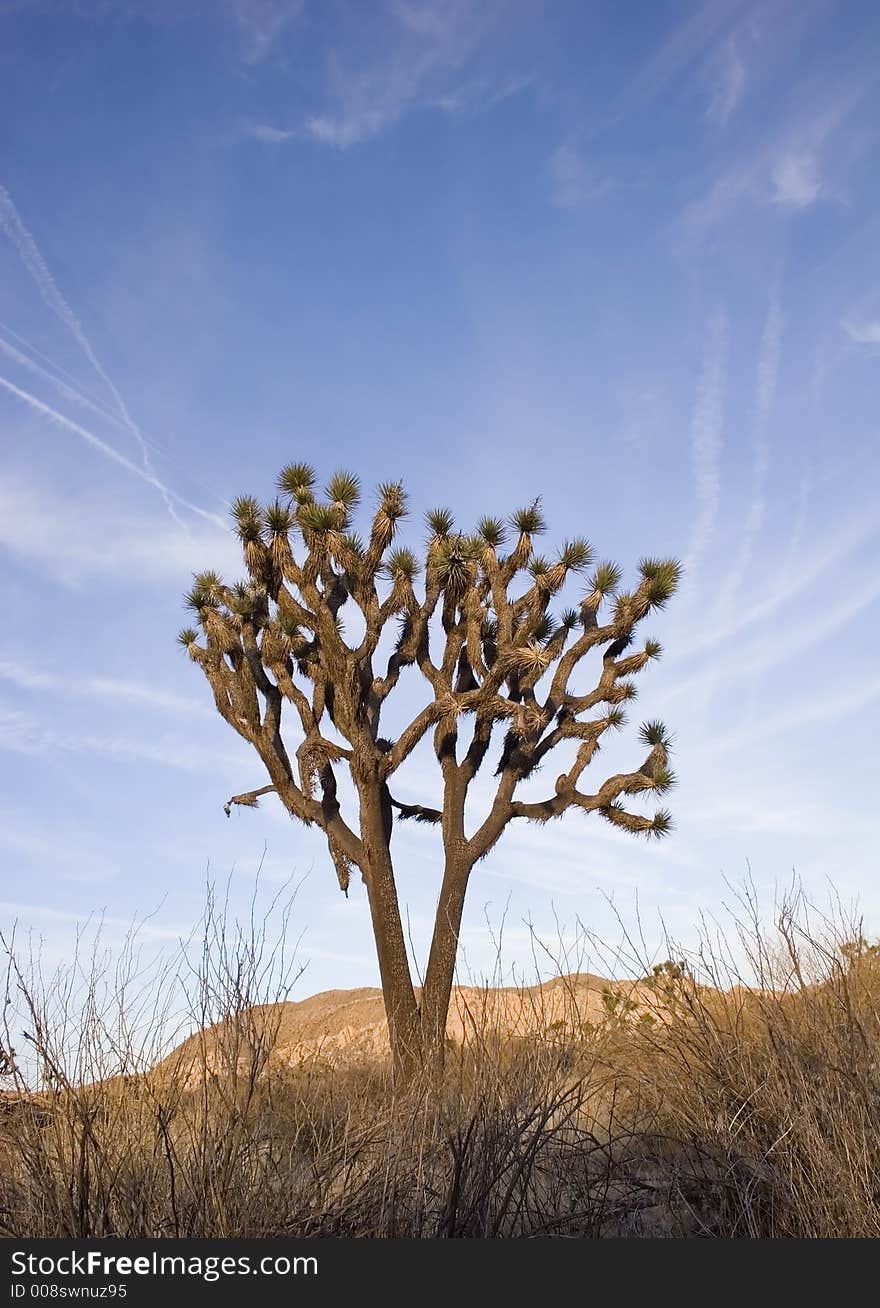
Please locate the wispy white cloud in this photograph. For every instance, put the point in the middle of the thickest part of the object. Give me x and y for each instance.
(27, 677)
(96, 537)
(265, 132)
(20, 673)
(440, 55)
(150, 696)
(806, 713)
(729, 82)
(725, 192)
(863, 333)
(786, 171)
(64, 856)
(765, 391)
(786, 569)
(687, 44)
(354, 125)
(795, 179)
(29, 913)
(429, 18)
(707, 435)
(768, 363)
(573, 183)
(262, 22)
(23, 733)
(761, 807)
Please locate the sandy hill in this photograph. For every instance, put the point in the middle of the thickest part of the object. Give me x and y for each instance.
(339, 1027)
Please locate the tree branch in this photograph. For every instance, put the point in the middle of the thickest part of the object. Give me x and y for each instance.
(417, 811)
(249, 799)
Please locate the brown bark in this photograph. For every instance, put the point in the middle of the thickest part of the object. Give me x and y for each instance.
(444, 949)
(398, 994)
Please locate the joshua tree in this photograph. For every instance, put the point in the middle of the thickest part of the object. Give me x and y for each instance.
(479, 630)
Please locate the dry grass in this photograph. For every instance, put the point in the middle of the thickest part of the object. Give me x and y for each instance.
(716, 1109)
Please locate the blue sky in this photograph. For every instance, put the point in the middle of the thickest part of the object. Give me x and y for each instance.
(624, 256)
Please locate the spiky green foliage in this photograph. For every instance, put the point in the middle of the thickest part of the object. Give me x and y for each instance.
(297, 480)
(543, 628)
(662, 823)
(576, 554)
(318, 517)
(208, 581)
(615, 718)
(248, 598)
(186, 637)
(530, 520)
(344, 488)
(248, 517)
(353, 542)
(570, 619)
(655, 733)
(653, 649)
(650, 567)
(392, 499)
(278, 518)
(539, 565)
(605, 579)
(245, 506)
(623, 606)
(403, 563)
(288, 625)
(662, 577)
(663, 779)
(439, 522)
(456, 563)
(492, 531)
(201, 594)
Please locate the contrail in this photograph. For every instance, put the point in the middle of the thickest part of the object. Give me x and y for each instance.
(109, 452)
(808, 713)
(800, 522)
(761, 655)
(11, 222)
(70, 392)
(765, 392)
(706, 439)
(73, 388)
(56, 368)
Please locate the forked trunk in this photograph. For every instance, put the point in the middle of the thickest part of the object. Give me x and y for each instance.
(417, 1032)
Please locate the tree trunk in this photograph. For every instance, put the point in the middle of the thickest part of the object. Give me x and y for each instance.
(398, 994)
(444, 951)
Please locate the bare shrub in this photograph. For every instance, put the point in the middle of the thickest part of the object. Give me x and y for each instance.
(733, 1092)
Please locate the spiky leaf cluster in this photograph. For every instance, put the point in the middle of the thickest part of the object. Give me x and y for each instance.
(492, 531)
(439, 522)
(530, 520)
(298, 481)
